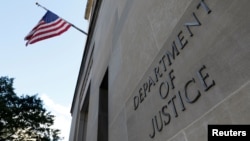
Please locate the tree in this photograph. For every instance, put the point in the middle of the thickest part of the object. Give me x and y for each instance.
(24, 117)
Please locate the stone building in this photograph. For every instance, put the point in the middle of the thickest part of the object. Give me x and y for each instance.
(155, 70)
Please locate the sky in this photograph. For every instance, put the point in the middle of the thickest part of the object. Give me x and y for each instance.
(50, 67)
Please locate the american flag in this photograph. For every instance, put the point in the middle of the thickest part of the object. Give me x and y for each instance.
(49, 26)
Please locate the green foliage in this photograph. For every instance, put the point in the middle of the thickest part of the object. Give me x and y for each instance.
(23, 117)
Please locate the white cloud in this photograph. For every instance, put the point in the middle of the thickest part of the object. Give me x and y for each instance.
(62, 115)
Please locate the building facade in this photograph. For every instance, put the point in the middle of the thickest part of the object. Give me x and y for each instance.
(157, 70)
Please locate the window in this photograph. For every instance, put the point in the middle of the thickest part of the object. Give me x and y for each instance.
(103, 110)
(83, 120)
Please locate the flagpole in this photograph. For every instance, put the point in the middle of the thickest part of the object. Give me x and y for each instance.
(63, 19)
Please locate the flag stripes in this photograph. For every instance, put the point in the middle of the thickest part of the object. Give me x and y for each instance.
(49, 26)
